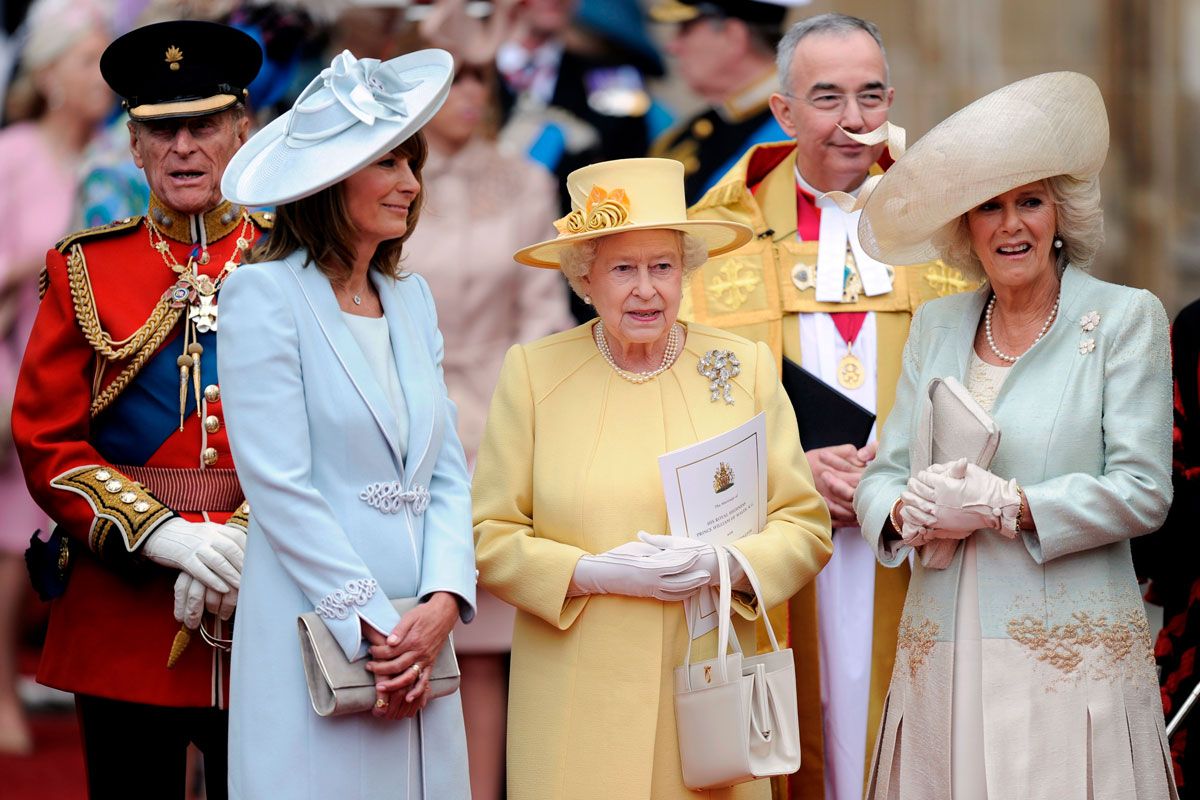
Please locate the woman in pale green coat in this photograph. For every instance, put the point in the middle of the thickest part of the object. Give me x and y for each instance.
(1024, 667)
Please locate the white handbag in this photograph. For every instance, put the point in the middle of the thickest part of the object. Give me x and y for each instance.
(736, 715)
(953, 426)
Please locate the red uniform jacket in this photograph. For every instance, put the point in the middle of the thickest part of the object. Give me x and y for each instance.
(99, 391)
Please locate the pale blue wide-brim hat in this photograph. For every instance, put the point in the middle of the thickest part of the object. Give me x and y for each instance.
(348, 116)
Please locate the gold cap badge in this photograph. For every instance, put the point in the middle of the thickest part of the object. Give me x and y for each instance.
(174, 56)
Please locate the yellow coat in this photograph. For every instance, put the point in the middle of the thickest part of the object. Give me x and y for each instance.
(569, 466)
(751, 292)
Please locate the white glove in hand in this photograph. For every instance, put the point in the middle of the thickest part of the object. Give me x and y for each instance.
(915, 519)
(193, 598)
(960, 497)
(210, 553)
(637, 569)
(707, 560)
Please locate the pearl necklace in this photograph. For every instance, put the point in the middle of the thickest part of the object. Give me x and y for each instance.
(638, 377)
(987, 329)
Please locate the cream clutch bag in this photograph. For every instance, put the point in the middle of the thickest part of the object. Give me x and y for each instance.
(953, 426)
(337, 686)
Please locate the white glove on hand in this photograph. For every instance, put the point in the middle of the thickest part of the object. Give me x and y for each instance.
(707, 560)
(915, 520)
(958, 498)
(189, 600)
(193, 598)
(210, 553)
(637, 569)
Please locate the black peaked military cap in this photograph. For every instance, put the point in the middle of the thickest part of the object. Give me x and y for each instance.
(181, 68)
(747, 10)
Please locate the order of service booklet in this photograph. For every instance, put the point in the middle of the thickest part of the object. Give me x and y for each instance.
(716, 492)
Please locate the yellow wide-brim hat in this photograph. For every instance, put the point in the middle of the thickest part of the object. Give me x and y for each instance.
(1037, 128)
(630, 194)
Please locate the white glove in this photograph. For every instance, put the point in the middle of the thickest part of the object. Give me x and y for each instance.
(189, 600)
(915, 520)
(193, 598)
(707, 560)
(637, 569)
(210, 553)
(958, 498)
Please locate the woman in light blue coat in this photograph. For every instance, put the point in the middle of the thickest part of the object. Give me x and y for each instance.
(345, 444)
(1024, 667)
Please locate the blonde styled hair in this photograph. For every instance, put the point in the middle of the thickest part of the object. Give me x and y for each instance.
(576, 260)
(1079, 218)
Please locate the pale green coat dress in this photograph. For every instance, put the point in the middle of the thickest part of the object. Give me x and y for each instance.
(1071, 706)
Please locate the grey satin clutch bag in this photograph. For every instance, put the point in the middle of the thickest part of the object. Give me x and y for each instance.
(953, 426)
(337, 686)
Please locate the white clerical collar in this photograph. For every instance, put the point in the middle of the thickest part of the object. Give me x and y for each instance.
(815, 192)
(839, 230)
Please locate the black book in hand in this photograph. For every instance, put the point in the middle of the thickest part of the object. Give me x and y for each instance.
(826, 416)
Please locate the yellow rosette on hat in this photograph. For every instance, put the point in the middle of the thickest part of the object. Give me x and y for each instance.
(630, 194)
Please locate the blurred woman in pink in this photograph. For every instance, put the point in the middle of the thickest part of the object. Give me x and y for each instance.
(54, 104)
(481, 205)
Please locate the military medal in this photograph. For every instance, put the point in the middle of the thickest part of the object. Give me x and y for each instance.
(851, 372)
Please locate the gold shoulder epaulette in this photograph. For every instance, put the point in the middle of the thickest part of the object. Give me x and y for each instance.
(263, 219)
(99, 230)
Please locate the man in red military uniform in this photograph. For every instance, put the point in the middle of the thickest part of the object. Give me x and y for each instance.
(117, 419)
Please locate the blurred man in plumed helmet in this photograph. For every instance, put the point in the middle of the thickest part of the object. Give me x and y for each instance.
(118, 424)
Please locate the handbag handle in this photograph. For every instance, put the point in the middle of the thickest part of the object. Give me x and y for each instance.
(725, 608)
(724, 602)
(755, 587)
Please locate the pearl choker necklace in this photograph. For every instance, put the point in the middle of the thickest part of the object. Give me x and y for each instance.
(669, 354)
(987, 329)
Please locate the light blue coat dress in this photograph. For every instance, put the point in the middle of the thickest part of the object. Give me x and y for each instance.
(311, 430)
(1071, 706)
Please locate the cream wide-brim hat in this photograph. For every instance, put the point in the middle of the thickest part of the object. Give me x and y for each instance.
(1037, 128)
(630, 194)
(348, 116)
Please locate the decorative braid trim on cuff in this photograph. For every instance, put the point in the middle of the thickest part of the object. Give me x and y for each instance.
(338, 605)
(241, 517)
(117, 502)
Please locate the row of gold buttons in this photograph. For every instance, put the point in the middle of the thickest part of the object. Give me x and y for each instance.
(212, 424)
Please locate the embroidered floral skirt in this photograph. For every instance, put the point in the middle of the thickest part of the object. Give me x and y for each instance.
(1070, 711)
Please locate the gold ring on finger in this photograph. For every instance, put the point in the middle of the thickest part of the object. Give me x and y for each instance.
(417, 669)
(381, 703)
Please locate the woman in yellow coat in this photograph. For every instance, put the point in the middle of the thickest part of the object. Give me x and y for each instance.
(567, 477)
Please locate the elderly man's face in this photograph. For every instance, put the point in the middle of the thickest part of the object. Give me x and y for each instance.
(185, 158)
(636, 283)
(827, 64)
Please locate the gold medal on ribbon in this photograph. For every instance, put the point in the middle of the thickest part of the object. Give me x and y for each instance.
(850, 373)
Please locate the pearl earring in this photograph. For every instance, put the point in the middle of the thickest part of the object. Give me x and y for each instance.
(587, 299)
(1058, 243)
